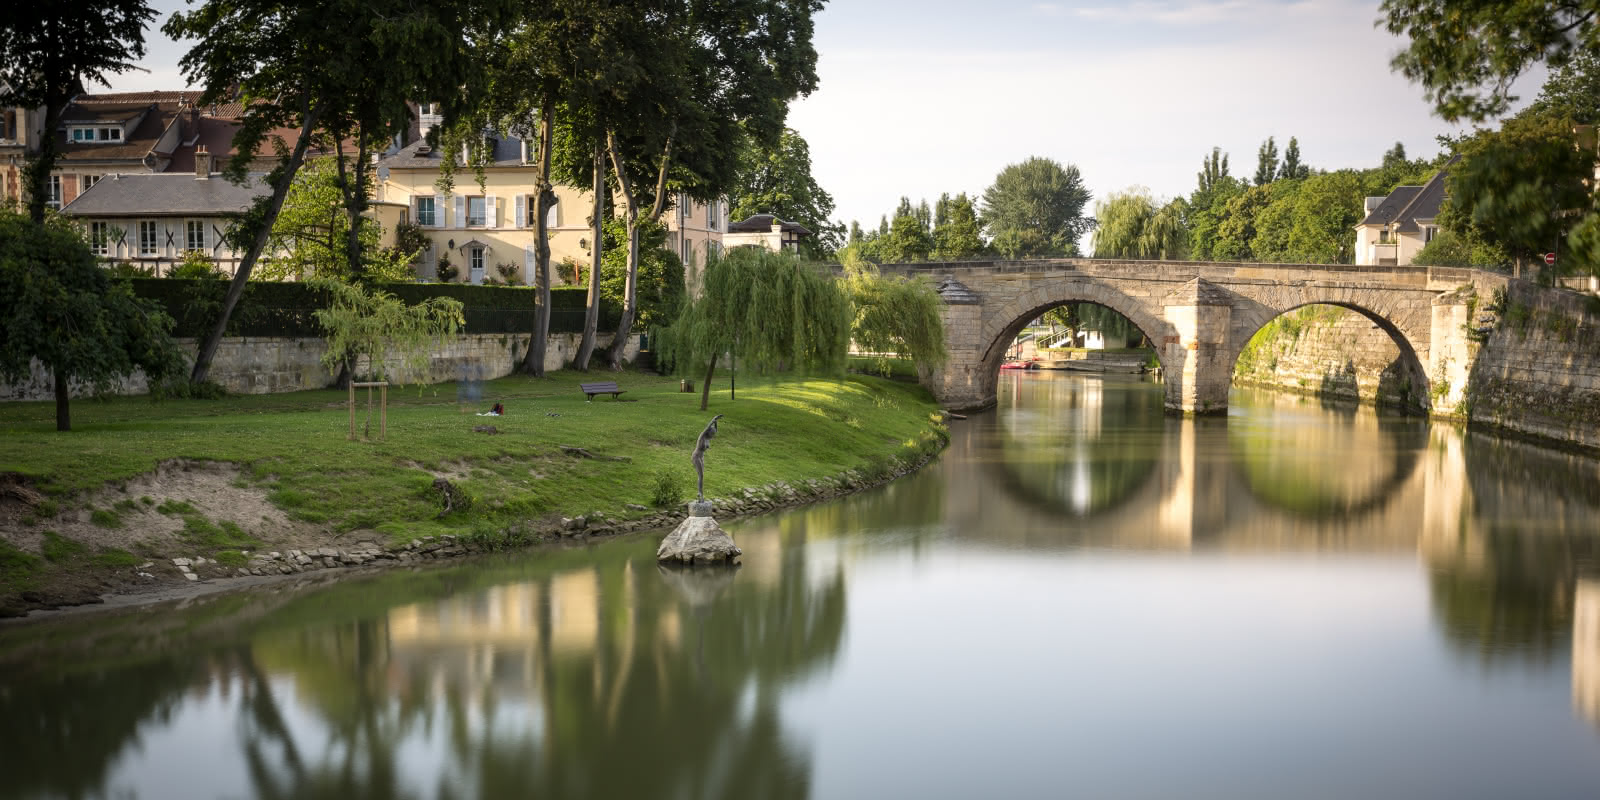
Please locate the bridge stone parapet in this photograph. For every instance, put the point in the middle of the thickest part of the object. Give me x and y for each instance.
(1200, 315)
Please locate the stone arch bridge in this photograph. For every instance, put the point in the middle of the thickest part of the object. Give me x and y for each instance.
(1199, 316)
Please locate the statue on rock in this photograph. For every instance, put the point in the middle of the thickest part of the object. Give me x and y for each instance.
(699, 539)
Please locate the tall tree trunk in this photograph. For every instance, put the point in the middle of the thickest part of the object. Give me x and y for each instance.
(241, 277)
(534, 362)
(354, 189)
(591, 314)
(705, 388)
(630, 292)
(63, 413)
(37, 172)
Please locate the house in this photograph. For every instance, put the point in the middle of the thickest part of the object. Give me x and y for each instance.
(1397, 226)
(486, 232)
(99, 134)
(152, 219)
(765, 230)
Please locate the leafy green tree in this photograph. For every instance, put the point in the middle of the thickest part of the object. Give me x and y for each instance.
(1205, 213)
(895, 315)
(49, 52)
(1572, 90)
(1130, 225)
(778, 181)
(907, 241)
(1467, 53)
(369, 323)
(1395, 156)
(67, 312)
(765, 310)
(955, 232)
(1518, 188)
(1035, 208)
(1326, 209)
(1451, 249)
(660, 287)
(1213, 171)
(1237, 229)
(1275, 224)
(317, 67)
(1266, 162)
(1292, 169)
(310, 237)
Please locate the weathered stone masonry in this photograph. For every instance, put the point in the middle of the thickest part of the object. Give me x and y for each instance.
(1201, 315)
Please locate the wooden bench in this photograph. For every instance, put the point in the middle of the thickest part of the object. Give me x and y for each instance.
(592, 389)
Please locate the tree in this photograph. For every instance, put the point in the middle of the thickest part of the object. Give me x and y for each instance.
(292, 68)
(1236, 231)
(1572, 90)
(778, 181)
(49, 52)
(763, 310)
(659, 286)
(1266, 162)
(1035, 208)
(66, 311)
(1451, 249)
(1213, 171)
(895, 315)
(1467, 53)
(1522, 188)
(1326, 209)
(1395, 156)
(955, 232)
(907, 241)
(1130, 225)
(368, 323)
(310, 237)
(1292, 169)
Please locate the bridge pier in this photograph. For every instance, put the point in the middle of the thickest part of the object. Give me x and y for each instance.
(1196, 363)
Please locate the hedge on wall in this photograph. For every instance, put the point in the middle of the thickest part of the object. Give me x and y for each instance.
(271, 308)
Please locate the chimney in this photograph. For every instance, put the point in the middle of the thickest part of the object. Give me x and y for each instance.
(202, 164)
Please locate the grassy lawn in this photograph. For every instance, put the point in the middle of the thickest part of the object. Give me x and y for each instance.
(294, 446)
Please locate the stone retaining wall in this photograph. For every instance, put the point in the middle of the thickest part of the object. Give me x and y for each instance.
(1330, 352)
(267, 365)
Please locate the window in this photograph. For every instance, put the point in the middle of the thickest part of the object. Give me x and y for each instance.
(475, 211)
(99, 236)
(475, 264)
(85, 181)
(55, 192)
(1428, 233)
(194, 234)
(552, 214)
(110, 134)
(427, 214)
(1383, 236)
(685, 246)
(95, 134)
(147, 237)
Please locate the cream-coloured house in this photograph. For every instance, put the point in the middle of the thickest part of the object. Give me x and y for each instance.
(485, 232)
(1398, 226)
(766, 230)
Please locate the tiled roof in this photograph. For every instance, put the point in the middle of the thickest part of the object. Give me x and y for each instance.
(1407, 204)
(134, 146)
(165, 194)
(507, 153)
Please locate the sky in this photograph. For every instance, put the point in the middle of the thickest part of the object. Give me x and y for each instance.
(922, 97)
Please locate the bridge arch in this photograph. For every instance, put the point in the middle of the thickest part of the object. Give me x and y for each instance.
(1403, 326)
(1001, 327)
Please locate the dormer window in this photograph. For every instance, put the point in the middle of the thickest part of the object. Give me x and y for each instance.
(96, 134)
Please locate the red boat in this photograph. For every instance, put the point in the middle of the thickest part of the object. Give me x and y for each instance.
(1029, 364)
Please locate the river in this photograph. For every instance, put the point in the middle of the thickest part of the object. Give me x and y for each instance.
(1081, 597)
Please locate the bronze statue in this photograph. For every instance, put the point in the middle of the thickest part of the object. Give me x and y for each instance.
(699, 457)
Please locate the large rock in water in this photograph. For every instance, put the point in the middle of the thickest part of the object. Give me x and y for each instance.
(699, 540)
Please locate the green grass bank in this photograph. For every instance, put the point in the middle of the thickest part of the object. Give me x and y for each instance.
(137, 483)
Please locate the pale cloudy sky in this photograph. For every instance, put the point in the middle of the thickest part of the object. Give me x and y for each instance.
(919, 98)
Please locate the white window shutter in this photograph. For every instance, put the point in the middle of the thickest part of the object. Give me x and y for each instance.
(552, 216)
(521, 211)
(490, 211)
(527, 264)
(438, 211)
(461, 212)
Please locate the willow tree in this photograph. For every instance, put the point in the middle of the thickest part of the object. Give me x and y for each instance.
(895, 315)
(765, 310)
(369, 323)
(1131, 225)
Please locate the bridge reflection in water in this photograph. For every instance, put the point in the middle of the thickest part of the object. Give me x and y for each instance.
(591, 672)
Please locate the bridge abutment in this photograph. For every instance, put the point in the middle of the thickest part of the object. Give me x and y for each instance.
(1197, 365)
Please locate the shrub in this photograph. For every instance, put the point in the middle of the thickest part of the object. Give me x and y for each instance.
(105, 518)
(667, 489)
(58, 548)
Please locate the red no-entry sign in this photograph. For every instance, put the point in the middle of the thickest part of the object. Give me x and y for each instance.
(1550, 258)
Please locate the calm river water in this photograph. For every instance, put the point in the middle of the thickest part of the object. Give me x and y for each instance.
(1081, 598)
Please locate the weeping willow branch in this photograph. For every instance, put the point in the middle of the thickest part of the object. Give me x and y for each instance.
(362, 324)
